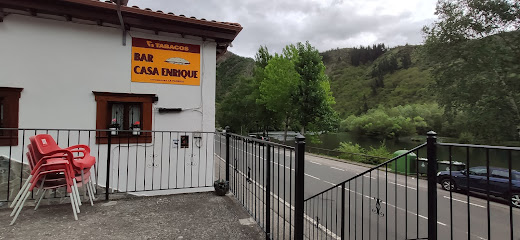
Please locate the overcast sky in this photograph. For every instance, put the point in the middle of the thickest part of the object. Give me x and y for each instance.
(326, 24)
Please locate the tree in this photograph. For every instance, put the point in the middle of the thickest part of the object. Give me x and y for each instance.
(315, 99)
(279, 88)
(264, 117)
(474, 51)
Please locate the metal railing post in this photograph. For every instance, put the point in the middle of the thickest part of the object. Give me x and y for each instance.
(227, 153)
(109, 152)
(299, 187)
(268, 192)
(431, 148)
(343, 211)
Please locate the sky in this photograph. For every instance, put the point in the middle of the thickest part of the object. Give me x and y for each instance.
(326, 24)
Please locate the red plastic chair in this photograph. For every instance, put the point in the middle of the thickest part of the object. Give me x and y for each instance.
(53, 167)
(40, 172)
(46, 146)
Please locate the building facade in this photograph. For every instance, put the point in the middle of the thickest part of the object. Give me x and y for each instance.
(81, 64)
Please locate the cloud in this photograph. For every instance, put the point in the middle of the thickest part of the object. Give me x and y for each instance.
(326, 24)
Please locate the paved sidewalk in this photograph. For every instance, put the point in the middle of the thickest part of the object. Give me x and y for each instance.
(183, 216)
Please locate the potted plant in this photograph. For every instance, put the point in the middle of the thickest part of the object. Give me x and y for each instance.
(136, 128)
(114, 127)
(221, 187)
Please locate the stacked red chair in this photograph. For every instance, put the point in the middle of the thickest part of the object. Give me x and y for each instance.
(53, 167)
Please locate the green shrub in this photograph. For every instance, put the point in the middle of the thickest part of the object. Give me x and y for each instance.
(356, 153)
(466, 137)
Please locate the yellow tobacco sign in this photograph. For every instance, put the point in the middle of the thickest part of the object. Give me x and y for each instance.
(156, 61)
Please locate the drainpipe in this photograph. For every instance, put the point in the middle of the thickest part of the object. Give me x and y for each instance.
(121, 21)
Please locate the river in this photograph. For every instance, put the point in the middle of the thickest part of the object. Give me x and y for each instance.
(477, 157)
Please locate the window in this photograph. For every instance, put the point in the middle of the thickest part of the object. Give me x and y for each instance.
(9, 108)
(500, 174)
(479, 171)
(124, 111)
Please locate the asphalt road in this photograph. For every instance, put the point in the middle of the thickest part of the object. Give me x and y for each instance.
(400, 214)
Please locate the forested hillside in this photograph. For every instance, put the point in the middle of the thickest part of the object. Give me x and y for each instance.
(364, 78)
(355, 88)
(230, 68)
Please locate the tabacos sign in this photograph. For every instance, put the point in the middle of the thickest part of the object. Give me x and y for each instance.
(156, 61)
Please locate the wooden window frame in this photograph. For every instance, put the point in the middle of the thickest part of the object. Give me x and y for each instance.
(103, 116)
(11, 101)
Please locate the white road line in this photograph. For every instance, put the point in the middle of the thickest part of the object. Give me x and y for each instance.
(337, 168)
(312, 176)
(315, 163)
(401, 185)
(329, 182)
(462, 201)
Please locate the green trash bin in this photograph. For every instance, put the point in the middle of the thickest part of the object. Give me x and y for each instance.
(401, 165)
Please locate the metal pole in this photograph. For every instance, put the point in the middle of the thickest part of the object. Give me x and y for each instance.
(299, 187)
(267, 199)
(109, 146)
(343, 211)
(227, 153)
(431, 148)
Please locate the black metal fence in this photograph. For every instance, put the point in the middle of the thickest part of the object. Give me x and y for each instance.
(393, 200)
(126, 161)
(267, 178)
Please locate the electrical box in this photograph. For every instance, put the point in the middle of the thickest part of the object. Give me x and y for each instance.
(185, 141)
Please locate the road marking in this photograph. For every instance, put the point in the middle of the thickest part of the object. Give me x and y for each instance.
(337, 168)
(462, 201)
(401, 185)
(315, 163)
(312, 176)
(329, 182)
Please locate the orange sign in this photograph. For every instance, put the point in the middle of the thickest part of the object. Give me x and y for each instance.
(156, 61)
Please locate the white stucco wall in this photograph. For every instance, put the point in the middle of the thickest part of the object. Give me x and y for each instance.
(59, 64)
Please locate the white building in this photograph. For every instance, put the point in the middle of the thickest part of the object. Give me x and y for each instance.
(81, 64)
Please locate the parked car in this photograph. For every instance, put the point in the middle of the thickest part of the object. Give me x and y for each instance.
(498, 182)
(253, 136)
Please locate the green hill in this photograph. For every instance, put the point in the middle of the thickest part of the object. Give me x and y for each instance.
(230, 68)
(355, 88)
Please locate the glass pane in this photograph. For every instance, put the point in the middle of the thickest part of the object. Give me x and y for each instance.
(134, 114)
(118, 114)
(500, 174)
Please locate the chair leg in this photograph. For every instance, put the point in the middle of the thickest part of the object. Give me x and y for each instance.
(92, 189)
(20, 192)
(73, 197)
(92, 186)
(19, 202)
(20, 208)
(77, 191)
(87, 187)
(73, 204)
(40, 199)
(41, 185)
(83, 181)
